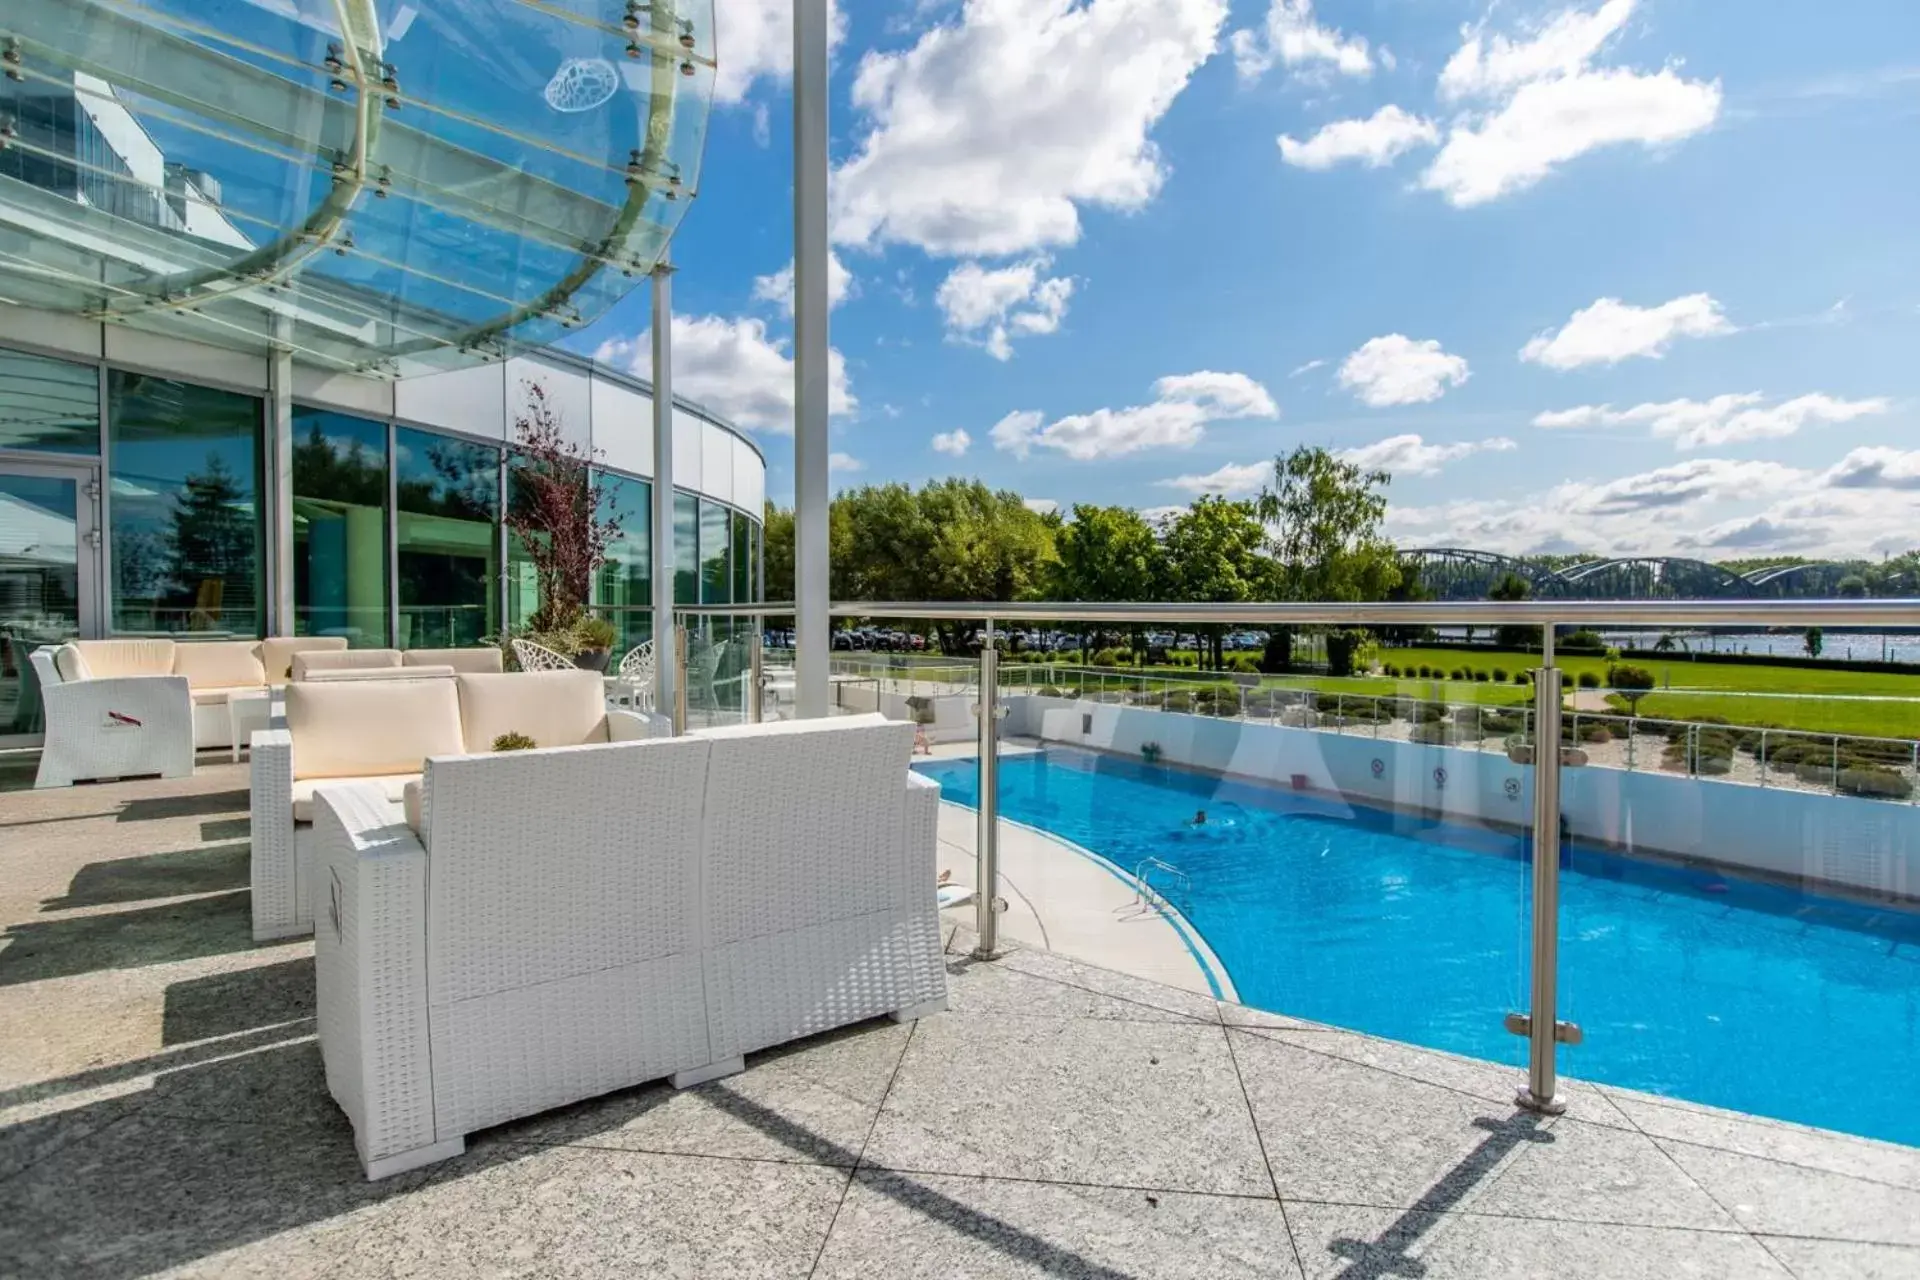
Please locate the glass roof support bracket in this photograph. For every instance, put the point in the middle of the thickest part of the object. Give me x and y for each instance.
(273, 263)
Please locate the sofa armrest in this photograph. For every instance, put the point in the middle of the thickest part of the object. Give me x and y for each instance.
(273, 864)
(119, 727)
(635, 726)
(370, 974)
(921, 825)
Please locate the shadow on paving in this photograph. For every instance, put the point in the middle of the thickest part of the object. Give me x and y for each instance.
(217, 924)
(206, 804)
(1388, 1255)
(156, 875)
(228, 1004)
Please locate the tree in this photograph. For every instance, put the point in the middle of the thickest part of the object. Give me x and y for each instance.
(556, 510)
(1512, 587)
(1851, 587)
(1325, 515)
(1215, 554)
(1631, 683)
(1814, 641)
(776, 534)
(210, 544)
(1108, 554)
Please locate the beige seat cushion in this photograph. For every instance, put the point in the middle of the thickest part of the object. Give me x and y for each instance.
(554, 708)
(395, 785)
(276, 653)
(106, 659)
(343, 660)
(378, 673)
(478, 661)
(357, 728)
(217, 697)
(219, 664)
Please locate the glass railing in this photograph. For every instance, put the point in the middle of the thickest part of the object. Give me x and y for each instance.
(1379, 844)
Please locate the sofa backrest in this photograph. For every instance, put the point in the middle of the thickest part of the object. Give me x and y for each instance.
(821, 800)
(343, 660)
(371, 728)
(276, 653)
(544, 865)
(554, 708)
(106, 659)
(379, 673)
(479, 661)
(219, 664)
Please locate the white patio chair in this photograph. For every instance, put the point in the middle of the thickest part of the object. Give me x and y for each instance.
(633, 680)
(537, 657)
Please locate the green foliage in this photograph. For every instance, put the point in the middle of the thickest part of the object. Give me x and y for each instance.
(1480, 674)
(1583, 641)
(777, 548)
(512, 741)
(1874, 780)
(1815, 641)
(1392, 672)
(1458, 673)
(1500, 675)
(595, 634)
(1513, 587)
(1214, 555)
(1631, 683)
(1326, 515)
(1588, 680)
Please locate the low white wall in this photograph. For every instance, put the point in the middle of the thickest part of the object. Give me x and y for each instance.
(1863, 844)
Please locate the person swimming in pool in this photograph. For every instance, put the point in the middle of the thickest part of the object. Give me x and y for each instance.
(1199, 819)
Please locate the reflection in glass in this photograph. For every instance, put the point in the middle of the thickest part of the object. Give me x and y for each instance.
(39, 587)
(447, 540)
(624, 585)
(686, 549)
(742, 557)
(339, 527)
(716, 582)
(186, 527)
(48, 406)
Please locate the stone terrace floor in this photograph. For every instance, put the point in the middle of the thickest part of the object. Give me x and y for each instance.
(162, 1111)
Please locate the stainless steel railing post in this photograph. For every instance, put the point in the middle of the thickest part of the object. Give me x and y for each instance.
(756, 673)
(987, 833)
(681, 641)
(1543, 1026)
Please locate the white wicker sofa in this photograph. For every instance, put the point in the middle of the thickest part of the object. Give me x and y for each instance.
(561, 923)
(126, 707)
(376, 726)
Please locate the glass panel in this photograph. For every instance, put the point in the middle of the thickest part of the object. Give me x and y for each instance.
(48, 405)
(339, 527)
(716, 538)
(39, 587)
(1739, 921)
(448, 539)
(686, 549)
(187, 538)
(523, 581)
(623, 589)
(742, 558)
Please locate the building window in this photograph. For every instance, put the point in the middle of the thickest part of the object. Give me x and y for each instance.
(339, 527)
(686, 549)
(742, 558)
(716, 545)
(623, 589)
(48, 406)
(186, 525)
(447, 539)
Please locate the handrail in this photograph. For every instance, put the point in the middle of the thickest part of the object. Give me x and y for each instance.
(1711, 613)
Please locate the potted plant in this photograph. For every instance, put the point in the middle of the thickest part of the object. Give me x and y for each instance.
(513, 741)
(593, 643)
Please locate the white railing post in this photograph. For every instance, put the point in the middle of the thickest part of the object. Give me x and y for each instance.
(1765, 763)
(987, 832)
(1541, 1022)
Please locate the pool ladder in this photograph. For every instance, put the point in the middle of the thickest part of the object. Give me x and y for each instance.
(1151, 898)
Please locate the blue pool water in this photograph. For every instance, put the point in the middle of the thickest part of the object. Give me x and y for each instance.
(1735, 993)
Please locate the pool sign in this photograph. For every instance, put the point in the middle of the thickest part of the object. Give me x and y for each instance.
(1379, 766)
(1440, 778)
(1513, 788)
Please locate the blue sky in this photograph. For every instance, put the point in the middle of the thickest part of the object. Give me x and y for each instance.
(1611, 276)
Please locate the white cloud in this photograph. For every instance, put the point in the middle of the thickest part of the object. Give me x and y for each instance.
(1292, 37)
(1543, 102)
(1234, 480)
(753, 40)
(844, 462)
(1610, 331)
(1183, 405)
(778, 287)
(1308, 367)
(1725, 419)
(953, 443)
(1377, 141)
(1040, 506)
(987, 134)
(733, 368)
(990, 306)
(1876, 468)
(1482, 68)
(1412, 456)
(762, 126)
(1395, 369)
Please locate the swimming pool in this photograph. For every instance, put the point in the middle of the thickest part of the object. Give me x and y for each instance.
(1735, 993)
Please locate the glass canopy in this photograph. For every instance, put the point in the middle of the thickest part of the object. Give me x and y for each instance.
(379, 185)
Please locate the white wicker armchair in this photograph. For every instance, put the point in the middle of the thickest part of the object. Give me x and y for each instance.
(633, 679)
(111, 726)
(555, 924)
